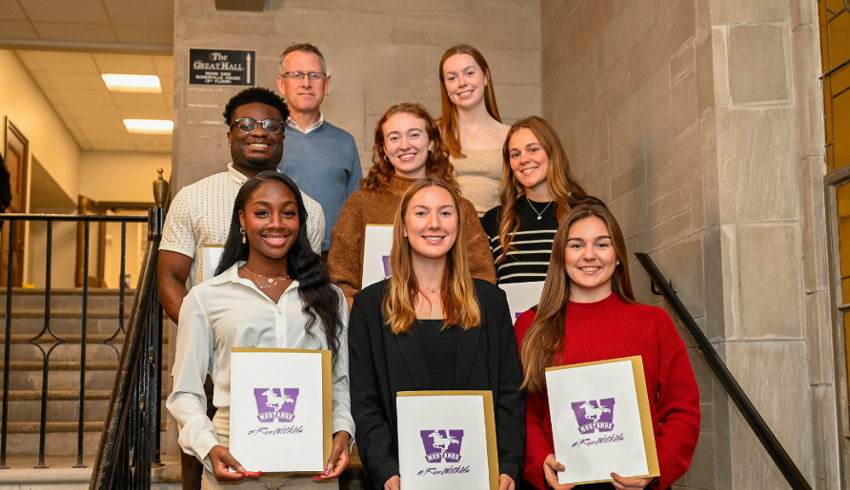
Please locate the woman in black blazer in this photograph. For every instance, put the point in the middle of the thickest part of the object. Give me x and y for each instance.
(431, 327)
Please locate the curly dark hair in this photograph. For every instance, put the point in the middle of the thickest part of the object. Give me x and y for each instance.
(321, 301)
(251, 95)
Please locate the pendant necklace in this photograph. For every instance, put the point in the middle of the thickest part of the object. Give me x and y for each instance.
(540, 214)
(433, 290)
(272, 281)
(472, 136)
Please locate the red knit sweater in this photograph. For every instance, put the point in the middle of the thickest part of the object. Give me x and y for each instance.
(611, 329)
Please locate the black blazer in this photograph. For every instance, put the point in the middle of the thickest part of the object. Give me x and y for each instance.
(382, 364)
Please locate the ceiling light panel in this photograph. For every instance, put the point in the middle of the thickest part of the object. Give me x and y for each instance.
(132, 83)
(149, 126)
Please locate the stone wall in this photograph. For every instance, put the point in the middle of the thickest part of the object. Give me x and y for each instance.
(379, 53)
(700, 123)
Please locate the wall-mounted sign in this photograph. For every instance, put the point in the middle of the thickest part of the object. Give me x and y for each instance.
(222, 67)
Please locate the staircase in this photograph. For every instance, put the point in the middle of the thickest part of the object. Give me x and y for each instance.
(104, 341)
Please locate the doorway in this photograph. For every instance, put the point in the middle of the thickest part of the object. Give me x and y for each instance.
(16, 156)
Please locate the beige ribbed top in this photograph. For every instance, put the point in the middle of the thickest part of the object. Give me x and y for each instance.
(479, 176)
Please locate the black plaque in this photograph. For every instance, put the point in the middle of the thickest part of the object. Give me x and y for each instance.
(222, 67)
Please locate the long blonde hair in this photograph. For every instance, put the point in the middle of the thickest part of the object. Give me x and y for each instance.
(448, 121)
(543, 345)
(562, 184)
(438, 164)
(457, 292)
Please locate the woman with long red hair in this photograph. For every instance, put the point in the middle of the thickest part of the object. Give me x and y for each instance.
(471, 124)
(587, 313)
(408, 147)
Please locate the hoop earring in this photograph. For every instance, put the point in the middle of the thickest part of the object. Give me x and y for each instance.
(244, 240)
(386, 159)
(430, 152)
(618, 262)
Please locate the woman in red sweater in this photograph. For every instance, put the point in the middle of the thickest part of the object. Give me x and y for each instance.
(590, 314)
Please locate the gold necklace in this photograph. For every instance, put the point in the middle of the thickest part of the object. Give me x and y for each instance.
(433, 290)
(272, 280)
(472, 136)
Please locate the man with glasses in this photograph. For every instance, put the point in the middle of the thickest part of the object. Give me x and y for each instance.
(320, 157)
(200, 213)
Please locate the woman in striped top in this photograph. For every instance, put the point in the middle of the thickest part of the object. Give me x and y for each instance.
(537, 191)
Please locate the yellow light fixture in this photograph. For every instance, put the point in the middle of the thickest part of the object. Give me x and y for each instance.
(132, 83)
(149, 126)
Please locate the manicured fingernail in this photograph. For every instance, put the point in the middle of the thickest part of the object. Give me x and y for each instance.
(318, 478)
(245, 474)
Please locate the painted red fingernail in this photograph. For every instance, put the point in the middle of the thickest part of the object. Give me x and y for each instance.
(246, 474)
(317, 478)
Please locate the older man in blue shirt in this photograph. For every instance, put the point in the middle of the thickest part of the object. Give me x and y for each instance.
(320, 157)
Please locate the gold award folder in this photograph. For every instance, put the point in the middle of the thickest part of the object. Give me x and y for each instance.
(327, 391)
(489, 425)
(643, 407)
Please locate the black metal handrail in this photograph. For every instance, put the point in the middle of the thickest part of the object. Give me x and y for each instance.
(771, 444)
(47, 335)
(130, 443)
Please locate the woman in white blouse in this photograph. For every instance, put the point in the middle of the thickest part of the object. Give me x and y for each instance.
(271, 290)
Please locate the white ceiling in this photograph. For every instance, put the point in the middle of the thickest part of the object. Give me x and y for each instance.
(67, 44)
(93, 114)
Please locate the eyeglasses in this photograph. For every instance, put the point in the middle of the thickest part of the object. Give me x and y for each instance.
(298, 76)
(248, 125)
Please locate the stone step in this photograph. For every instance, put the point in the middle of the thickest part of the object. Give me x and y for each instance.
(62, 406)
(64, 375)
(62, 474)
(63, 395)
(56, 314)
(59, 443)
(99, 347)
(29, 411)
(69, 338)
(63, 366)
(61, 326)
(53, 427)
(62, 353)
(71, 299)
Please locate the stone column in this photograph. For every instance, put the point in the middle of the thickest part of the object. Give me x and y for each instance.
(770, 237)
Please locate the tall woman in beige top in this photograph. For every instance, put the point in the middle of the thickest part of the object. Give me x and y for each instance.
(471, 126)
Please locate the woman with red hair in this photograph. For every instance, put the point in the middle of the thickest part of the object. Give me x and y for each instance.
(471, 125)
(408, 147)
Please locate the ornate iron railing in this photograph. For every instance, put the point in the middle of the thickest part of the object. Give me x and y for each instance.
(130, 443)
(47, 340)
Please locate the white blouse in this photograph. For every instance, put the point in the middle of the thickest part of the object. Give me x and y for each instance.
(226, 312)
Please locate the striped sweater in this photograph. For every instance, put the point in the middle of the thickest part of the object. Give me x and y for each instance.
(531, 245)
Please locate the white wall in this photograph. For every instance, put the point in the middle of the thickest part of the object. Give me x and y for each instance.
(121, 176)
(23, 102)
(26, 106)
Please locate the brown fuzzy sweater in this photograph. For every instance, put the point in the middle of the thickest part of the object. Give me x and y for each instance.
(367, 207)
